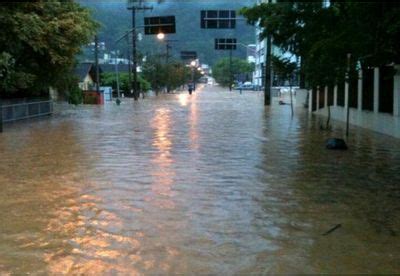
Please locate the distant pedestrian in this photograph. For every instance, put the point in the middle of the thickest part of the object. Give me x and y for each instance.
(190, 88)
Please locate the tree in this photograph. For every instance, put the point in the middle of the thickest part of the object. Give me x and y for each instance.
(286, 70)
(109, 79)
(39, 45)
(322, 35)
(222, 70)
(161, 75)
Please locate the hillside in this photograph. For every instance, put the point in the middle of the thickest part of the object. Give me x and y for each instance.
(116, 20)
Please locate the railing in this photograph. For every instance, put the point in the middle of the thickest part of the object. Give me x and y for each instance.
(26, 110)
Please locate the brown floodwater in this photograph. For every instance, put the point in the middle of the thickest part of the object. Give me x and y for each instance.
(212, 183)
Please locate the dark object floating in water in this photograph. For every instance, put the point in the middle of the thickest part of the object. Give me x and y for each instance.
(337, 226)
(282, 103)
(336, 144)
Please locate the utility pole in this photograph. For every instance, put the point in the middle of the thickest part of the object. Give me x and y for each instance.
(1, 115)
(134, 85)
(348, 94)
(96, 58)
(116, 74)
(230, 70)
(167, 52)
(129, 64)
(267, 82)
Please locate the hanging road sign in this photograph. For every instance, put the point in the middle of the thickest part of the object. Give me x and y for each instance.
(185, 55)
(159, 24)
(218, 19)
(225, 44)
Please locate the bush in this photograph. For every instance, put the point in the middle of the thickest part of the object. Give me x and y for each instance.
(75, 95)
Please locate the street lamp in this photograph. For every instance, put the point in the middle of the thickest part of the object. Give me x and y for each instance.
(193, 64)
(160, 36)
(118, 101)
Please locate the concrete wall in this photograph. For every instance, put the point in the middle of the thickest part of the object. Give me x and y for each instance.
(380, 122)
(374, 120)
(301, 97)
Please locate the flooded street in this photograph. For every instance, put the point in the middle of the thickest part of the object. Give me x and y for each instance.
(212, 183)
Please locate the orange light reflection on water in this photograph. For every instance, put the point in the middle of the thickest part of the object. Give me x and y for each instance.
(162, 160)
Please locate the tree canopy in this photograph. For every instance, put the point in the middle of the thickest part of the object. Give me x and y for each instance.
(163, 74)
(222, 69)
(323, 35)
(38, 44)
(110, 79)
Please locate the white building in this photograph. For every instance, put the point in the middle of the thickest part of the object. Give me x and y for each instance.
(261, 46)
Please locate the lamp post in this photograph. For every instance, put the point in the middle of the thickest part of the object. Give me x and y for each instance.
(161, 36)
(116, 76)
(230, 70)
(193, 65)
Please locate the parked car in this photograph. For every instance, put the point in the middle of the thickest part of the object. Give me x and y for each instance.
(245, 86)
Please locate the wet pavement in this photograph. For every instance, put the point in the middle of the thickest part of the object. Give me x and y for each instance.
(209, 183)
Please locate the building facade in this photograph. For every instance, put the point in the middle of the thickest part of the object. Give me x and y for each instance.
(260, 57)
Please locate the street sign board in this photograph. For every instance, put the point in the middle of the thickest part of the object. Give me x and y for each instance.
(159, 24)
(225, 44)
(185, 55)
(218, 19)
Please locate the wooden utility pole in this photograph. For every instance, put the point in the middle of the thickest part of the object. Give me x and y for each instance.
(134, 37)
(1, 115)
(129, 64)
(96, 58)
(230, 70)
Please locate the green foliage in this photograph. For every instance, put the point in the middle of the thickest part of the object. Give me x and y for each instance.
(110, 79)
(39, 43)
(160, 74)
(322, 36)
(10, 79)
(284, 68)
(222, 70)
(75, 95)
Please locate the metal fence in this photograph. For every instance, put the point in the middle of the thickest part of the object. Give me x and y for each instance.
(26, 110)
